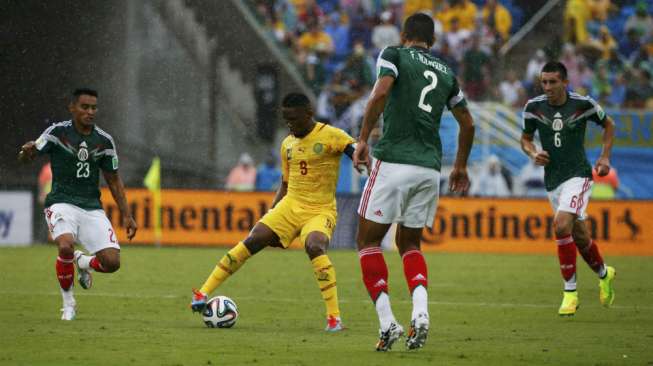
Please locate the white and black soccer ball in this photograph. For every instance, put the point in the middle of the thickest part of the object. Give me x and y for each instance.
(220, 312)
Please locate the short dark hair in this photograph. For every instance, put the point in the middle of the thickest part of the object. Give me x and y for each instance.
(83, 91)
(293, 100)
(419, 27)
(556, 66)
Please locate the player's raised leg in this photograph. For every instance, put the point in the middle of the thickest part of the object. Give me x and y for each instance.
(563, 223)
(416, 273)
(98, 237)
(375, 278)
(316, 244)
(260, 237)
(589, 250)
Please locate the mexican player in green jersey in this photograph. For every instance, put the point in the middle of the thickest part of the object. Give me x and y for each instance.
(78, 151)
(411, 91)
(560, 118)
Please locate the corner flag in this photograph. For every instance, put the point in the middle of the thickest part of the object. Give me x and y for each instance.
(153, 183)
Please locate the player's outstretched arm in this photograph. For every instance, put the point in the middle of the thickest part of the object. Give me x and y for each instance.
(118, 192)
(529, 148)
(459, 180)
(27, 152)
(602, 165)
(281, 193)
(373, 110)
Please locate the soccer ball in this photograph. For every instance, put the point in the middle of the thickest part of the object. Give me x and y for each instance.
(220, 312)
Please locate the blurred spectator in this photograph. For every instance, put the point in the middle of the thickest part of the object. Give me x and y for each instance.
(315, 46)
(617, 95)
(629, 47)
(268, 176)
(605, 188)
(640, 22)
(533, 87)
(535, 64)
(338, 29)
(360, 28)
(456, 39)
(444, 14)
(601, 88)
(511, 90)
(414, 6)
(444, 54)
(242, 177)
(604, 44)
(639, 90)
(385, 34)
(476, 71)
(581, 80)
(490, 182)
(356, 71)
(315, 40)
(497, 17)
(45, 183)
(570, 59)
(530, 181)
(576, 16)
(465, 11)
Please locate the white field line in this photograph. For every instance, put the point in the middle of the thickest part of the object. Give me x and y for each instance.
(82, 294)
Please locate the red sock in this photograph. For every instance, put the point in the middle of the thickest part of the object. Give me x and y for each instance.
(65, 271)
(592, 256)
(96, 265)
(415, 269)
(567, 256)
(375, 271)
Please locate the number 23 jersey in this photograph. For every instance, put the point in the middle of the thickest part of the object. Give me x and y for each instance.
(76, 162)
(562, 134)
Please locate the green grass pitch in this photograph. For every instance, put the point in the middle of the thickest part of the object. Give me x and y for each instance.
(485, 310)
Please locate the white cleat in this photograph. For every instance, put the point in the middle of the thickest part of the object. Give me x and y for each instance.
(84, 276)
(388, 337)
(419, 330)
(68, 312)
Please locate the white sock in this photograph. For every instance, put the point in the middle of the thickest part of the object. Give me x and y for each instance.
(68, 298)
(84, 261)
(386, 317)
(571, 284)
(420, 301)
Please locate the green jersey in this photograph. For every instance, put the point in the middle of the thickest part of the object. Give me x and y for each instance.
(423, 86)
(562, 134)
(76, 161)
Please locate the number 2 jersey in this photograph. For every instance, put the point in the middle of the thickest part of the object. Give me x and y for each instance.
(423, 86)
(76, 161)
(311, 164)
(562, 134)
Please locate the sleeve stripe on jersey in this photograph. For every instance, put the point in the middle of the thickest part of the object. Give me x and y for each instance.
(388, 65)
(385, 63)
(55, 140)
(456, 99)
(48, 133)
(587, 113)
(107, 152)
(113, 144)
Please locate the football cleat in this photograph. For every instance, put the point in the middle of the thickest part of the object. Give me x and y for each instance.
(334, 324)
(388, 337)
(198, 303)
(84, 276)
(569, 303)
(606, 291)
(419, 330)
(68, 312)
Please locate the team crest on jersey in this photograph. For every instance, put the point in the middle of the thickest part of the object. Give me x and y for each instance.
(318, 148)
(82, 153)
(557, 122)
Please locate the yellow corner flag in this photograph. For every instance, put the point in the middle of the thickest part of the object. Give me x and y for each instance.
(153, 182)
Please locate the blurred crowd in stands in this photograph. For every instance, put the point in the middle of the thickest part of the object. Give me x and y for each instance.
(607, 46)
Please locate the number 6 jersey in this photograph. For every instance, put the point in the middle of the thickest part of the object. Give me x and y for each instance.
(562, 134)
(423, 86)
(76, 162)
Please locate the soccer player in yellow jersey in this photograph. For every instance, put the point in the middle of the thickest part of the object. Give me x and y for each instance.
(304, 206)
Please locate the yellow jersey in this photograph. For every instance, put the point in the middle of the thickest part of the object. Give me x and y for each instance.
(310, 165)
